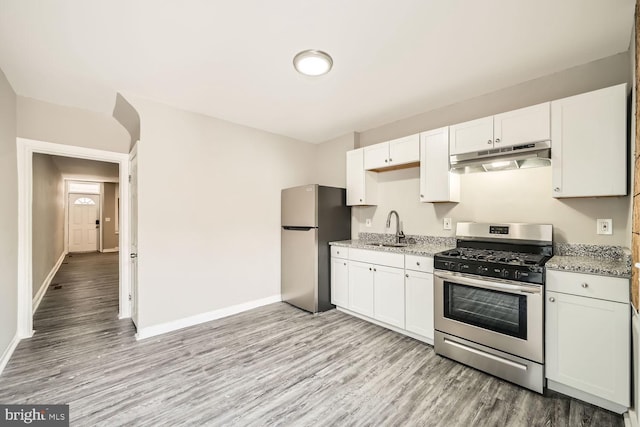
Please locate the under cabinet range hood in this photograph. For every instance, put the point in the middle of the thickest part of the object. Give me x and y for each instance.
(523, 156)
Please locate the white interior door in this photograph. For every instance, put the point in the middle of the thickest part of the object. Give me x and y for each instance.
(83, 222)
(133, 206)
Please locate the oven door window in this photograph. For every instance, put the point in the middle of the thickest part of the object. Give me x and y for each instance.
(497, 311)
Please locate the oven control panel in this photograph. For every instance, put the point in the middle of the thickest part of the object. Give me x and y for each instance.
(533, 274)
(498, 229)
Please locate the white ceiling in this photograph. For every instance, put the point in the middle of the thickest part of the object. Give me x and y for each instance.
(233, 59)
(75, 168)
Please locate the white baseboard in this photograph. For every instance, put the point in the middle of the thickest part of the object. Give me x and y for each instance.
(174, 325)
(110, 250)
(630, 419)
(37, 298)
(4, 359)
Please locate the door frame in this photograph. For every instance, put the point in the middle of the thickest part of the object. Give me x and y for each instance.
(26, 148)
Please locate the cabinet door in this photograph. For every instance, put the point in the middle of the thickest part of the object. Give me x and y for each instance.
(340, 282)
(471, 136)
(376, 156)
(419, 303)
(589, 145)
(361, 288)
(587, 345)
(389, 295)
(355, 177)
(437, 184)
(531, 124)
(404, 150)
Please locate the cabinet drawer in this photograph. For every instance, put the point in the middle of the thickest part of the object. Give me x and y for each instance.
(588, 285)
(418, 263)
(377, 257)
(339, 252)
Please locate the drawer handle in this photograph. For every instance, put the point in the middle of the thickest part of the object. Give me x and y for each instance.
(369, 268)
(374, 269)
(585, 285)
(406, 275)
(418, 263)
(338, 252)
(345, 263)
(552, 299)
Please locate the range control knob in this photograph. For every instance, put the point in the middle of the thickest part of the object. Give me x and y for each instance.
(482, 270)
(504, 273)
(464, 267)
(517, 274)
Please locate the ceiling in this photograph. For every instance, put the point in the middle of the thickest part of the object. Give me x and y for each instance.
(83, 169)
(233, 59)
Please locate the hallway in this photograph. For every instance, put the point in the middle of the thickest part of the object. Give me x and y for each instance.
(274, 365)
(76, 329)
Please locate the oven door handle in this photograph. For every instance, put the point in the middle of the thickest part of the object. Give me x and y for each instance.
(487, 283)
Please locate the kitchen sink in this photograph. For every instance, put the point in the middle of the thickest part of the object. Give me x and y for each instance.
(388, 245)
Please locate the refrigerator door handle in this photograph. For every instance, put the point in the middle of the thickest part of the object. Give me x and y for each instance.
(296, 228)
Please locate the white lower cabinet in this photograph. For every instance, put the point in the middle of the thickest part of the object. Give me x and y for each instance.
(340, 282)
(388, 295)
(361, 288)
(587, 340)
(419, 303)
(376, 285)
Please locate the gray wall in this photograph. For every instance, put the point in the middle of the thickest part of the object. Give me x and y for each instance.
(209, 211)
(8, 215)
(109, 236)
(583, 78)
(48, 218)
(48, 122)
(515, 196)
(331, 161)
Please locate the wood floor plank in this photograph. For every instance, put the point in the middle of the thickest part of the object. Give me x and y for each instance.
(272, 366)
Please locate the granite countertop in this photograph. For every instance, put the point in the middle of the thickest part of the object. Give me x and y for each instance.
(614, 261)
(420, 248)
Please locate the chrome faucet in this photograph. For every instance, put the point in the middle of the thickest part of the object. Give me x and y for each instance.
(399, 233)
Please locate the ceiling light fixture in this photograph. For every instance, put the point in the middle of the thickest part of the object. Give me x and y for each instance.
(312, 62)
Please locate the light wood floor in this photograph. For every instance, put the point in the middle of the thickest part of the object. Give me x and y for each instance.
(274, 365)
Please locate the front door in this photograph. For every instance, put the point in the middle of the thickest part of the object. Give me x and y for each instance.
(83, 222)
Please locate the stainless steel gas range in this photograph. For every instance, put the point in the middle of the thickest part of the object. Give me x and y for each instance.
(489, 300)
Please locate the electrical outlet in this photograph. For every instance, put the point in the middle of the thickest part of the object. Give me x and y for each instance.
(604, 226)
(446, 223)
(367, 222)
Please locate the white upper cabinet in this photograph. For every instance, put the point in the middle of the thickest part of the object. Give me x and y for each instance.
(396, 152)
(522, 126)
(376, 156)
(404, 150)
(361, 185)
(589, 134)
(531, 124)
(471, 136)
(437, 184)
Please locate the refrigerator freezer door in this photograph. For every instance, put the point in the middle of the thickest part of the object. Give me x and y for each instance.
(300, 268)
(299, 206)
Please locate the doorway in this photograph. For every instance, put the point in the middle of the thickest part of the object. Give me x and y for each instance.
(26, 150)
(84, 224)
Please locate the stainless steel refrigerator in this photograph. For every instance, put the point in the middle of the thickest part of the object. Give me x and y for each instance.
(312, 216)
